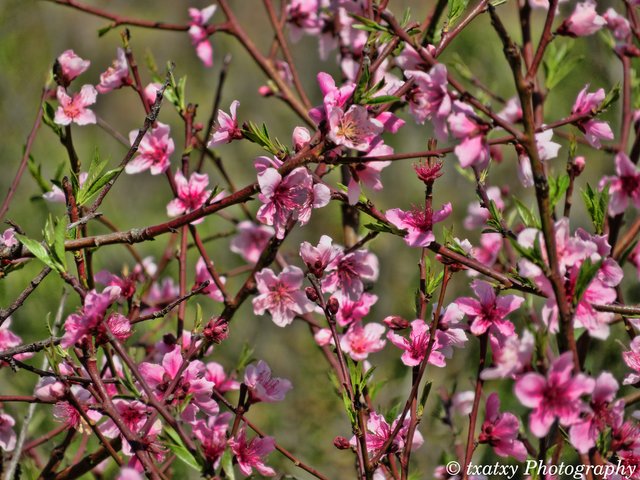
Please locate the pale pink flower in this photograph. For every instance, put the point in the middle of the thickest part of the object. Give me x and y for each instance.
(500, 430)
(212, 436)
(7, 435)
(8, 238)
(202, 275)
(360, 341)
(632, 359)
(281, 295)
(542, 4)
(150, 92)
(154, 151)
(489, 311)
(379, 432)
(583, 21)
(226, 129)
(624, 186)
(353, 128)
(318, 258)
(418, 223)
(429, 98)
(465, 125)
(192, 194)
(199, 35)
(262, 386)
(75, 109)
(128, 473)
(161, 294)
(347, 273)
(449, 333)
(477, 215)
(603, 413)
(56, 195)
(368, 174)
(594, 130)
(462, 402)
(71, 66)
(488, 250)
(134, 415)
(8, 340)
(251, 454)
(215, 373)
(415, 347)
(546, 151)
(618, 24)
(117, 75)
(510, 356)
(512, 111)
(192, 390)
(303, 17)
(251, 240)
(556, 396)
(352, 311)
(290, 198)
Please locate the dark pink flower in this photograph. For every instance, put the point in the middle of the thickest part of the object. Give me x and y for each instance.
(215, 373)
(8, 238)
(154, 151)
(127, 285)
(226, 129)
(71, 66)
(75, 109)
(415, 347)
(594, 130)
(193, 391)
(67, 413)
(318, 258)
(281, 295)
(117, 75)
(212, 436)
(583, 21)
(332, 96)
(192, 194)
(7, 435)
(624, 186)
(354, 128)
(134, 415)
(632, 359)
(202, 275)
(556, 396)
(251, 240)
(199, 35)
(603, 413)
(262, 386)
(500, 430)
(352, 311)
(289, 198)
(379, 432)
(347, 272)
(360, 341)
(251, 455)
(418, 223)
(429, 99)
(89, 320)
(489, 311)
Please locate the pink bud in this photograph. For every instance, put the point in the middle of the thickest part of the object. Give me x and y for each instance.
(333, 305)
(394, 322)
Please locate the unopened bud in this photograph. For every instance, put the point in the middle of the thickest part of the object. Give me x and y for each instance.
(578, 165)
(311, 294)
(395, 322)
(341, 443)
(333, 305)
(169, 339)
(217, 330)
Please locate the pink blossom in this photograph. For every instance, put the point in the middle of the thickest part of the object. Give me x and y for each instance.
(202, 275)
(117, 75)
(360, 341)
(262, 386)
(134, 415)
(212, 436)
(302, 17)
(415, 347)
(347, 272)
(368, 174)
(556, 396)
(352, 311)
(624, 186)
(318, 258)
(128, 473)
(618, 24)
(632, 359)
(489, 311)
(603, 413)
(151, 91)
(71, 66)
(500, 430)
(75, 109)
(429, 99)
(65, 412)
(154, 151)
(251, 455)
(418, 223)
(488, 250)
(8, 340)
(161, 294)
(462, 402)
(192, 194)
(281, 295)
(594, 130)
(127, 285)
(510, 356)
(7, 435)
(449, 333)
(583, 21)
(8, 238)
(290, 198)
(227, 129)
(379, 432)
(251, 240)
(199, 35)
(547, 150)
(512, 111)
(465, 126)
(192, 388)
(56, 195)
(353, 128)
(332, 96)
(215, 373)
(300, 138)
(477, 215)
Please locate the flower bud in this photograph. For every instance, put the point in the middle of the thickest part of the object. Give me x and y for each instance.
(341, 443)
(311, 294)
(333, 305)
(395, 322)
(217, 330)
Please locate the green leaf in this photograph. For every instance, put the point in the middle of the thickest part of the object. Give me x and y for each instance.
(368, 24)
(261, 136)
(557, 63)
(588, 270)
(596, 203)
(456, 9)
(526, 215)
(227, 464)
(612, 96)
(176, 445)
(57, 246)
(245, 357)
(423, 398)
(49, 113)
(38, 250)
(557, 188)
(106, 29)
(379, 100)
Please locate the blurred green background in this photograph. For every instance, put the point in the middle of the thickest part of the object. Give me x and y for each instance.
(34, 33)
